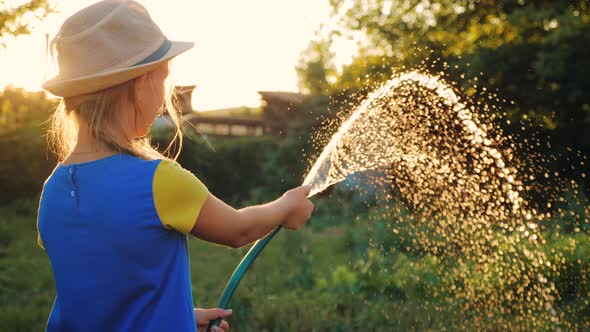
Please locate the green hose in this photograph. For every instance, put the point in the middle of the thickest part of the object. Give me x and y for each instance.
(239, 273)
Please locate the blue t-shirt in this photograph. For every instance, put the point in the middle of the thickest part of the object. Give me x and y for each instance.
(117, 245)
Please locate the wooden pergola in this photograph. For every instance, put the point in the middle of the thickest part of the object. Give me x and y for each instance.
(225, 125)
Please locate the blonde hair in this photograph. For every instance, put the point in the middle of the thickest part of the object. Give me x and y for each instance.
(104, 113)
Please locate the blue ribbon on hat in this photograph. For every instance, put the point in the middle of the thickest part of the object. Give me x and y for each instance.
(157, 55)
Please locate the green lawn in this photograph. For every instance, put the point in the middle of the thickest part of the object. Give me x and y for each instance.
(27, 288)
(344, 271)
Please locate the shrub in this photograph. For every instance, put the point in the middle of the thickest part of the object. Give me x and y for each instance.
(25, 163)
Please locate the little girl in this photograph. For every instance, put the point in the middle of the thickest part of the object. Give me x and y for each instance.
(114, 215)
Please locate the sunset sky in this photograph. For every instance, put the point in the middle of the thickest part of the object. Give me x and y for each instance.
(241, 46)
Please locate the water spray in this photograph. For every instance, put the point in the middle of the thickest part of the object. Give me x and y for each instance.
(443, 160)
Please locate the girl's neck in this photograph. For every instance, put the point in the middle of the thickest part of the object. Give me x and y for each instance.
(87, 148)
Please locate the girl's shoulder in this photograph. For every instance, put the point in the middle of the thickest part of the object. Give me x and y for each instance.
(116, 168)
(118, 160)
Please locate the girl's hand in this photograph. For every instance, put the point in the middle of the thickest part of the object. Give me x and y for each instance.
(299, 207)
(204, 316)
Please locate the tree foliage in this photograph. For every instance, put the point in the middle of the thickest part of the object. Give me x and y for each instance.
(16, 19)
(534, 53)
(20, 108)
(316, 67)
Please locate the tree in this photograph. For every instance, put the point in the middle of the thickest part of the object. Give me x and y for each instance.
(532, 52)
(315, 68)
(16, 20)
(20, 108)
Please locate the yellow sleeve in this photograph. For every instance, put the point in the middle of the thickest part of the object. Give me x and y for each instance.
(178, 196)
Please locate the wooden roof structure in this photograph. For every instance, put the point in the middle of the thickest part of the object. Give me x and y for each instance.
(225, 125)
(286, 97)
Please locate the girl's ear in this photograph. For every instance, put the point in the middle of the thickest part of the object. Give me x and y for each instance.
(140, 84)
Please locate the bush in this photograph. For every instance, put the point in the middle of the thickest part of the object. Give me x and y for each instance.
(25, 163)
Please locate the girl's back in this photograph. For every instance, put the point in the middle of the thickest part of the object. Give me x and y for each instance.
(116, 266)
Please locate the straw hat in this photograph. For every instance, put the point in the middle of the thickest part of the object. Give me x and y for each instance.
(108, 43)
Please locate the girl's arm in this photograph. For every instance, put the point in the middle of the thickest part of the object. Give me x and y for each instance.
(222, 224)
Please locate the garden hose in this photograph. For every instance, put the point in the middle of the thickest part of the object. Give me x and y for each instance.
(239, 273)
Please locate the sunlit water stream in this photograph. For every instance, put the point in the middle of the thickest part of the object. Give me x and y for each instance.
(460, 191)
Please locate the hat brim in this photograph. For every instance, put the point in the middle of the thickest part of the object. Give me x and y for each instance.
(89, 84)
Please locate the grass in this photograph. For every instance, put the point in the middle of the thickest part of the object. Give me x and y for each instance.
(212, 265)
(26, 283)
(27, 286)
(325, 277)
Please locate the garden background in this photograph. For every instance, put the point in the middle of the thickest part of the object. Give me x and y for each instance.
(346, 270)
